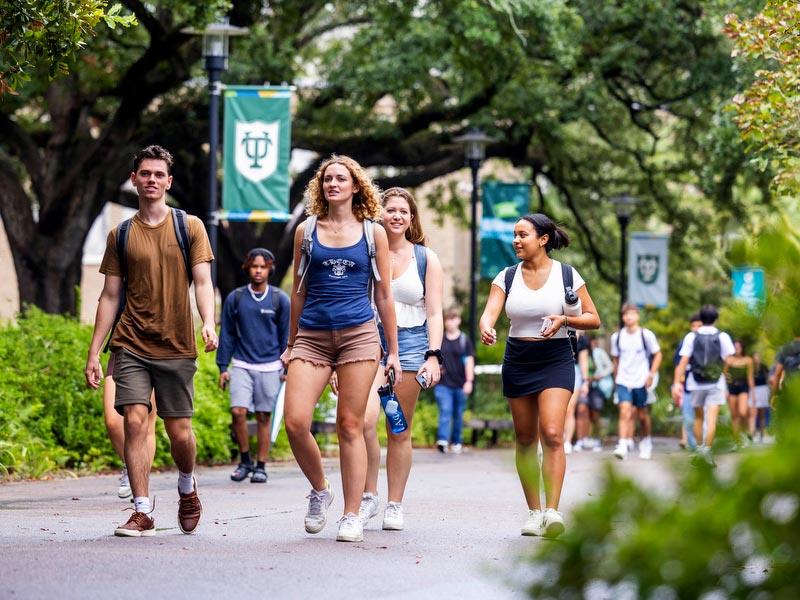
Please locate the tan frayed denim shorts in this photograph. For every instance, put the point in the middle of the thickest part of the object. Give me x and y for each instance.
(332, 347)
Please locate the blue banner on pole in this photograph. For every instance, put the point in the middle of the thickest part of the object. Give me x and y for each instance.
(749, 286)
(503, 205)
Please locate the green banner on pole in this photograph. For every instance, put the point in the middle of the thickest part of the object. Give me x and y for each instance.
(256, 149)
(503, 205)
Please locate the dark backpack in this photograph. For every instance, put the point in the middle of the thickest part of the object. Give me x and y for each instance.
(237, 300)
(179, 222)
(791, 363)
(706, 359)
(566, 279)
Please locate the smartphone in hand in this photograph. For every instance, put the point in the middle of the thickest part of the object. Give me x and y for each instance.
(423, 383)
(546, 323)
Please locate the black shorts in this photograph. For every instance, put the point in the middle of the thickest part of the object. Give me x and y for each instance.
(594, 399)
(737, 388)
(530, 367)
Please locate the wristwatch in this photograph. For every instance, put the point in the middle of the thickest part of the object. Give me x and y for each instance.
(437, 353)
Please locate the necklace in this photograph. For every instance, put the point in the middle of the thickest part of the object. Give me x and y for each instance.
(253, 294)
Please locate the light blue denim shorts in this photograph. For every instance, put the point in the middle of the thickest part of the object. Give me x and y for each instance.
(412, 343)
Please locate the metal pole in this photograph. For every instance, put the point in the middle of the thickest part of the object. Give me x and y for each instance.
(474, 165)
(214, 65)
(623, 256)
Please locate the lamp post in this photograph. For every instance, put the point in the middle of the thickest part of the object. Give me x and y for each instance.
(216, 37)
(623, 206)
(474, 142)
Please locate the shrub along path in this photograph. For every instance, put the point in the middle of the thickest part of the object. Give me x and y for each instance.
(463, 515)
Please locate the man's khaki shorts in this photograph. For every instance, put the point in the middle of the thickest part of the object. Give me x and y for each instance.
(172, 379)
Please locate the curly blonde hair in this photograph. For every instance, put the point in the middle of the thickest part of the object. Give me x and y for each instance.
(414, 233)
(366, 202)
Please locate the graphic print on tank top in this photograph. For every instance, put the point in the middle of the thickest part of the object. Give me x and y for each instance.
(338, 267)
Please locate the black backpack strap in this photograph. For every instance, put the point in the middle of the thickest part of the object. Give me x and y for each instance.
(180, 221)
(237, 300)
(421, 256)
(566, 278)
(122, 256)
(510, 271)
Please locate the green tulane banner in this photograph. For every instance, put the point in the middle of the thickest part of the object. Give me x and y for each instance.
(503, 205)
(749, 286)
(648, 269)
(257, 147)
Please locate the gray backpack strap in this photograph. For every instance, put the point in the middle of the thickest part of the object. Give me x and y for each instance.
(369, 236)
(180, 222)
(421, 256)
(306, 247)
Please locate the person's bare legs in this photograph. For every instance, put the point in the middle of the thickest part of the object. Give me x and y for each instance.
(525, 416)
(569, 422)
(582, 424)
(263, 420)
(182, 444)
(644, 419)
(699, 416)
(734, 410)
(115, 423)
(552, 403)
(712, 414)
(136, 453)
(398, 451)
(742, 410)
(355, 382)
(371, 434)
(626, 425)
(239, 416)
(305, 383)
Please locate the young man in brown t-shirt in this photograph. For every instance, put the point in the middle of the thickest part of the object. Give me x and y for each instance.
(153, 342)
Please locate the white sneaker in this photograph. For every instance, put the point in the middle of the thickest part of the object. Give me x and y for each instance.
(567, 448)
(579, 446)
(534, 524)
(441, 445)
(553, 523)
(621, 451)
(124, 490)
(393, 517)
(368, 508)
(646, 449)
(456, 448)
(318, 504)
(597, 445)
(350, 529)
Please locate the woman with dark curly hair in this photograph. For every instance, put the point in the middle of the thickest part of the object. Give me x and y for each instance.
(332, 326)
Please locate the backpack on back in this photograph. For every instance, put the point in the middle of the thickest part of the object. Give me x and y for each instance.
(706, 359)
(791, 363)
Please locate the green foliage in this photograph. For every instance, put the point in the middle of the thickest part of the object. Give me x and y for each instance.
(48, 32)
(733, 532)
(50, 420)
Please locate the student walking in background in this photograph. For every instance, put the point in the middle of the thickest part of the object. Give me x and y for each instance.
(417, 292)
(637, 356)
(600, 388)
(254, 332)
(161, 251)
(760, 400)
(685, 400)
(458, 378)
(341, 255)
(741, 386)
(581, 391)
(539, 362)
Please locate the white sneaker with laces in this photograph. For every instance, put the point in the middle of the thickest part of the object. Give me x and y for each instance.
(456, 448)
(621, 451)
(553, 523)
(597, 445)
(646, 449)
(124, 485)
(534, 524)
(579, 445)
(350, 529)
(441, 445)
(318, 504)
(368, 508)
(393, 517)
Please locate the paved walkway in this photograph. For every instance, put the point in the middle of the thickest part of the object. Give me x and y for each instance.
(463, 516)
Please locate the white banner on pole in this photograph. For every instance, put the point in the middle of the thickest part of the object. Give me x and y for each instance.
(648, 269)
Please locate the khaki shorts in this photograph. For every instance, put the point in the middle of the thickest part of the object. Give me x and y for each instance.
(332, 347)
(172, 379)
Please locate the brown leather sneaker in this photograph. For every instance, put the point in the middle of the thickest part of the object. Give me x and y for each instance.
(189, 510)
(139, 525)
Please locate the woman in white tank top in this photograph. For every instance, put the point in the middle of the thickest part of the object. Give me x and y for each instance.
(538, 366)
(418, 306)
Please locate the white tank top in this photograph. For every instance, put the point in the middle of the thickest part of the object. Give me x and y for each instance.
(409, 299)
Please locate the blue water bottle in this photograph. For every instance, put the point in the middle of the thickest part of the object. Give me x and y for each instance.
(394, 412)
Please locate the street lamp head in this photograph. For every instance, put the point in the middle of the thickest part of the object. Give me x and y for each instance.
(216, 39)
(474, 142)
(624, 205)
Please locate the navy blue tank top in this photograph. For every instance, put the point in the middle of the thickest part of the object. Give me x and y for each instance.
(337, 286)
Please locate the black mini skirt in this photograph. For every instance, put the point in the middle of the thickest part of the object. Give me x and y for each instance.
(530, 367)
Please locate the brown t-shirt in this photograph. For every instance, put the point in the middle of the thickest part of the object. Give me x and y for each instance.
(157, 320)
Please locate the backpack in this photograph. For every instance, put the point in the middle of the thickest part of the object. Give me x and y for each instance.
(566, 279)
(706, 359)
(791, 362)
(237, 300)
(307, 247)
(179, 222)
(421, 256)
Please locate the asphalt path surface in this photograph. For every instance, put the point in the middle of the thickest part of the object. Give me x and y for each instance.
(462, 539)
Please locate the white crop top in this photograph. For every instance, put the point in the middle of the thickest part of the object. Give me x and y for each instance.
(409, 301)
(527, 308)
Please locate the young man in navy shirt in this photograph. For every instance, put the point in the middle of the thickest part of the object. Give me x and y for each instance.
(255, 328)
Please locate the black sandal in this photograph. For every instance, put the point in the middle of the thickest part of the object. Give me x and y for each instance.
(259, 475)
(242, 471)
